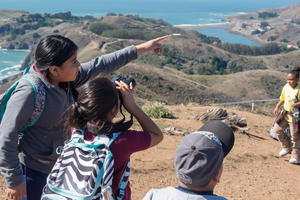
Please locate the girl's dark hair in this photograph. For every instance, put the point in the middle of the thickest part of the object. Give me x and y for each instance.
(295, 72)
(53, 50)
(96, 99)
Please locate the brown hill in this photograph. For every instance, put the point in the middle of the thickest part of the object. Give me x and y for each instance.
(251, 170)
(175, 76)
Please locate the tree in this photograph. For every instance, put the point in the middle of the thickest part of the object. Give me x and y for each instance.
(264, 24)
(218, 64)
(36, 35)
(265, 15)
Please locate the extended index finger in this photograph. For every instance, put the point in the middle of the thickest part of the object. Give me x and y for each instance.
(160, 38)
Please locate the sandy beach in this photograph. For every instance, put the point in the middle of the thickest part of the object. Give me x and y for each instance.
(212, 25)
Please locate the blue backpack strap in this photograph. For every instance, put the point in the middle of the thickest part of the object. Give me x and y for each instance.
(115, 135)
(78, 140)
(5, 97)
(26, 70)
(123, 182)
(125, 176)
(39, 99)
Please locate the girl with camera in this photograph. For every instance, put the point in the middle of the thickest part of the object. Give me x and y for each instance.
(99, 102)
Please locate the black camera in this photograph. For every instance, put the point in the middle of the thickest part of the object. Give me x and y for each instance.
(125, 78)
(121, 125)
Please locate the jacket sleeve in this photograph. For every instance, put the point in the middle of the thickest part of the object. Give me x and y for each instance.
(105, 64)
(18, 111)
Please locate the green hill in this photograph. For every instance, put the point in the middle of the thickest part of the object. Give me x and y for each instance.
(192, 67)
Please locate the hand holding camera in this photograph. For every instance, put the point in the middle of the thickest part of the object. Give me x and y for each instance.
(125, 85)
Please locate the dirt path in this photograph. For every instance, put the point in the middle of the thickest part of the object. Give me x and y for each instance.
(251, 170)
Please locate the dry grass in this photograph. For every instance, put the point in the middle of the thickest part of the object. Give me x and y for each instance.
(251, 170)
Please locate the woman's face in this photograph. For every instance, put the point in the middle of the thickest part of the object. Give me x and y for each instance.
(292, 80)
(69, 69)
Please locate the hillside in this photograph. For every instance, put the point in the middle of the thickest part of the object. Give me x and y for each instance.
(251, 170)
(191, 69)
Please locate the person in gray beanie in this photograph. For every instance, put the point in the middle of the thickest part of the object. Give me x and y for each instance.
(198, 163)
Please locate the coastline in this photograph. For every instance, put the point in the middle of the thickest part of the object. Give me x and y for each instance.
(11, 60)
(211, 25)
(230, 30)
(12, 77)
(228, 26)
(4, 49)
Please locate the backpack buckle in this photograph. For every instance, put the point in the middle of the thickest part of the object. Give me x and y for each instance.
(121, 194)
(59, 150)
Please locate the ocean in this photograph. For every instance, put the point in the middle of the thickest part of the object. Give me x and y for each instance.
(176, 12)
(10, 61)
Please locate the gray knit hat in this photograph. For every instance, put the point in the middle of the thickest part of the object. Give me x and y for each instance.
(200, 155)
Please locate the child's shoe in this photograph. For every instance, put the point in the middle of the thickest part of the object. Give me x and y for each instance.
(294, 161)
(283, 152)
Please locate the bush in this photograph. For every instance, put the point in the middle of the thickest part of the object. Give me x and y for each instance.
(265, 49)
(159, 111)
(284, 40)
(100, 27)
(264, 24)
(265, 15)
(36, 35)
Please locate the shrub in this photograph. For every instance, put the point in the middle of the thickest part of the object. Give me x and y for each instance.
(264, 24)
(265, 15)
(284, 40)
(158, 111)
(100, 27)
(36, 35)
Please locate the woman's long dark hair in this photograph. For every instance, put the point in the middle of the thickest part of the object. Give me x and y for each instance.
(53, 50)
(96, 99)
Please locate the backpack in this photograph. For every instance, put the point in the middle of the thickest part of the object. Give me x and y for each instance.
(296, 111)
(84, 170)
(39, 98)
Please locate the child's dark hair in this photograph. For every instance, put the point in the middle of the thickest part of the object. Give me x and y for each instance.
(53, 50)
(96, 99)
(295, 72)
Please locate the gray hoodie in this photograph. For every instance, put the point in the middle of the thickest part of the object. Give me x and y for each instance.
(40, 141)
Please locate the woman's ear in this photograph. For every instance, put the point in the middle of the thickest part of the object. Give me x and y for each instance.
(54, 71)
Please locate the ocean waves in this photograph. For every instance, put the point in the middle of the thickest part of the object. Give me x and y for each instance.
(10, 62)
